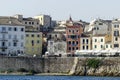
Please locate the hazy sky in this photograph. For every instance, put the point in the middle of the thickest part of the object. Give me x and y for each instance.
(61, 9)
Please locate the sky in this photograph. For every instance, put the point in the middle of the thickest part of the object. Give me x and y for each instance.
(86, 10)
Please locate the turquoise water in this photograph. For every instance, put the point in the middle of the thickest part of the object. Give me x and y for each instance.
(57, 78)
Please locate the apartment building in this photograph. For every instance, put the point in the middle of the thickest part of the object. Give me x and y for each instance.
(12, 36)
(33, 43)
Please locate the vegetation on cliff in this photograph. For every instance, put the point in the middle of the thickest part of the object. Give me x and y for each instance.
(93, 63)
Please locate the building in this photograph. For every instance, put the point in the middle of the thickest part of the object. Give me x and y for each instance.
(33, 45)
(45, 21)
(98, 42)
(99, 26)
(73, 34)
(86, 42)
(56, 48)
(12, 36)
(31, 24)
(116, 33)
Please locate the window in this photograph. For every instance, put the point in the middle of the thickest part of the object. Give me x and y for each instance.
(116, 39)
(101, 40)
(29, 22)
(3, 28)
(95, 40)
(22, 29)
(106, 46)
(95, 46)
(110, 46)
(69, 48)
(55, 35)
(73, 31)
(117, 26)
(32, 23)
(32, 35)
(77, 42)
(69, 30)
(69, 42)
(97, 28)
(15, 29)
(76, 48)
(83, 41)
(27, 35)
(101, 46)
(87, 41)
(83, 47)
(14, 44)
(73, 42)
(116, 33)
(100, 23)
(73, 48)
(3, 50)
(38, 35)
(76, 30)
(10, 29)
(87, 47)
(3, 43)
(32, 42)
(38, 41)
(25, 22)
(116, 45)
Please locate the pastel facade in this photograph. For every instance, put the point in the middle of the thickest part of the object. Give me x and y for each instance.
(116, 33)
(73, 34)
(86, 43)
(33, 45)
(12, 36)
(98, 42)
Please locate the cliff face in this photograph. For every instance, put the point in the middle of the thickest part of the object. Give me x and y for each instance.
(106, 67)
(109, 66)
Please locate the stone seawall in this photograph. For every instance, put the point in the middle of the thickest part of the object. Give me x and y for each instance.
(72, 66)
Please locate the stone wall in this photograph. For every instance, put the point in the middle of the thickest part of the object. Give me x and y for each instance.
(73, 66)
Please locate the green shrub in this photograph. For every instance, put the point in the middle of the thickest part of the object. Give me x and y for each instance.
(32, 72)
(22, 70)
(10, 70)
(94, 63)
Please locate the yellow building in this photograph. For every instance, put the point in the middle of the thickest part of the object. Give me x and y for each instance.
(33, 44)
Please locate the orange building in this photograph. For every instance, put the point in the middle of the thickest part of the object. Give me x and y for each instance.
(73, 34)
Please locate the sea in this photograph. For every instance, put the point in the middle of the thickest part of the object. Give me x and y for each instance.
(56, 78)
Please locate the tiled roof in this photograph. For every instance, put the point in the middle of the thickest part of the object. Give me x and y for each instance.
(9, 21)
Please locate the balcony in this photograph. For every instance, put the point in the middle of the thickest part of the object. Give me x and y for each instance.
(3, 39)
(4, 32)
(3, 47)
(15, 40)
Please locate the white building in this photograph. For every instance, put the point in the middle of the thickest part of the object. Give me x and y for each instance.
(99, 26)
(56, 47)
(98, 42)
(12, 36)
(116, 33)
(86, 43)
(44, 20)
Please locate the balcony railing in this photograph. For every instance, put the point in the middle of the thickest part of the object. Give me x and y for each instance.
(3, 47)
